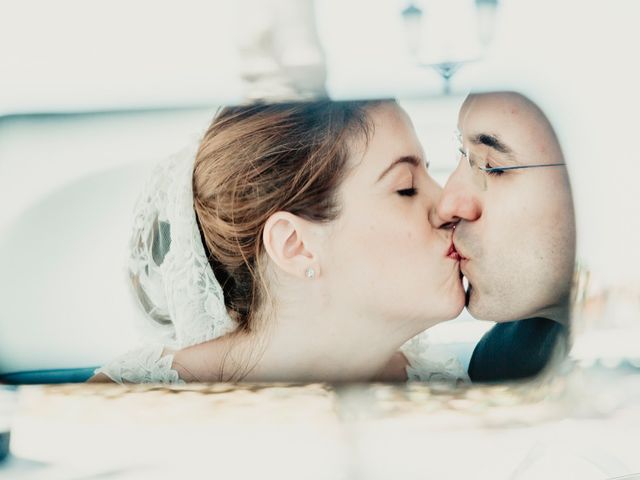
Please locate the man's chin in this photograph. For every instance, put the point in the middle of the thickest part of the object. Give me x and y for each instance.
(475, 306)
(479, 312)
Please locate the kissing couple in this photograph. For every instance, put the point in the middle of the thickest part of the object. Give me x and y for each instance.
(308, 242)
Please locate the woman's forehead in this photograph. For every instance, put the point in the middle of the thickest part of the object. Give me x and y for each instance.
(393, 136)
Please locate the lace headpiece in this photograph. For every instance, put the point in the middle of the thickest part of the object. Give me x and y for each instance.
(168, 265)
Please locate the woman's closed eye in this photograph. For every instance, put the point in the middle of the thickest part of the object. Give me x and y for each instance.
(407, 192)
(405, 183)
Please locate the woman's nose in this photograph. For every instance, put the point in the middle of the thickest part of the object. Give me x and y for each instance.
(459, 201)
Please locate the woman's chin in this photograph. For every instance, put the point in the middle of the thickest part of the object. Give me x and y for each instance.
(446, 307)
(458, 306)
(455, 298)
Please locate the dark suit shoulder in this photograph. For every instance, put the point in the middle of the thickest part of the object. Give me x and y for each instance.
(515, 350)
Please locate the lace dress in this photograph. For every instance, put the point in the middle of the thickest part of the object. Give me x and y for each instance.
(428, 362)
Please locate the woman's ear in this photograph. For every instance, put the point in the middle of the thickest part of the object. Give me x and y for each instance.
(288, 240)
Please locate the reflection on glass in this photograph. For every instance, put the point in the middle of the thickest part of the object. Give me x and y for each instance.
(299, 228)
(606, 328)
(292, 231)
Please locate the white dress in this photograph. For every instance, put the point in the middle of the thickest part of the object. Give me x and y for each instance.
(428, 362)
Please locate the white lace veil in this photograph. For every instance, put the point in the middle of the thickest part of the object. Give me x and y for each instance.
(168, 266)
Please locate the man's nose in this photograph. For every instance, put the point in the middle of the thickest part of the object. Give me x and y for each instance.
(459, 201)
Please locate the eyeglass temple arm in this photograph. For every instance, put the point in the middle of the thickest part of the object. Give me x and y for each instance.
(500, 169)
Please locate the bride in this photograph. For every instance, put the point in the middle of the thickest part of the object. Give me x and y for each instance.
(299, 246)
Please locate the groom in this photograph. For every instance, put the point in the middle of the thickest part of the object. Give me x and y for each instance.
(510, 206)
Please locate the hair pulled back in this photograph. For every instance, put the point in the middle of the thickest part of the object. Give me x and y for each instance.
(256, 160)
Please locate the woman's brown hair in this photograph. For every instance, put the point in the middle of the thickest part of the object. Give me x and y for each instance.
(257, 160)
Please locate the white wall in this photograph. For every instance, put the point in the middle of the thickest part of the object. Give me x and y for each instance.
(576, 58)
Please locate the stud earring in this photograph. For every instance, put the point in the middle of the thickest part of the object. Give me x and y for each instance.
(310, 273)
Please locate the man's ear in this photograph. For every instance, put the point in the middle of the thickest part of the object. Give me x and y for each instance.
(288, 240)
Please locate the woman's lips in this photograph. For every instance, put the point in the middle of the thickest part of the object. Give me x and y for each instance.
(453, 254)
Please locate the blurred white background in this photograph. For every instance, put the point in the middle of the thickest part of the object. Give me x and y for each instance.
(578, 57)
(137, 80)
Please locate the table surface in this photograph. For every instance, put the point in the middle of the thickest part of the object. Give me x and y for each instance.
(583, 422)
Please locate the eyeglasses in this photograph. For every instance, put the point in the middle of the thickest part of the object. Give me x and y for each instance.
(480, 163)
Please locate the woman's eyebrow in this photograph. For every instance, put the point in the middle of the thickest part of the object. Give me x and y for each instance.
(410, 159)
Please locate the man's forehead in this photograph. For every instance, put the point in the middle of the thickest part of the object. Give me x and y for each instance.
(508, 120)
(499, 112)
(499, 117)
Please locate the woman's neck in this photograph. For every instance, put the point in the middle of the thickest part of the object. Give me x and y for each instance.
(309, 348)
(298, 345)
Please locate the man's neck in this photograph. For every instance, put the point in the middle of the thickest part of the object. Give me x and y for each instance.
(559, 313)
